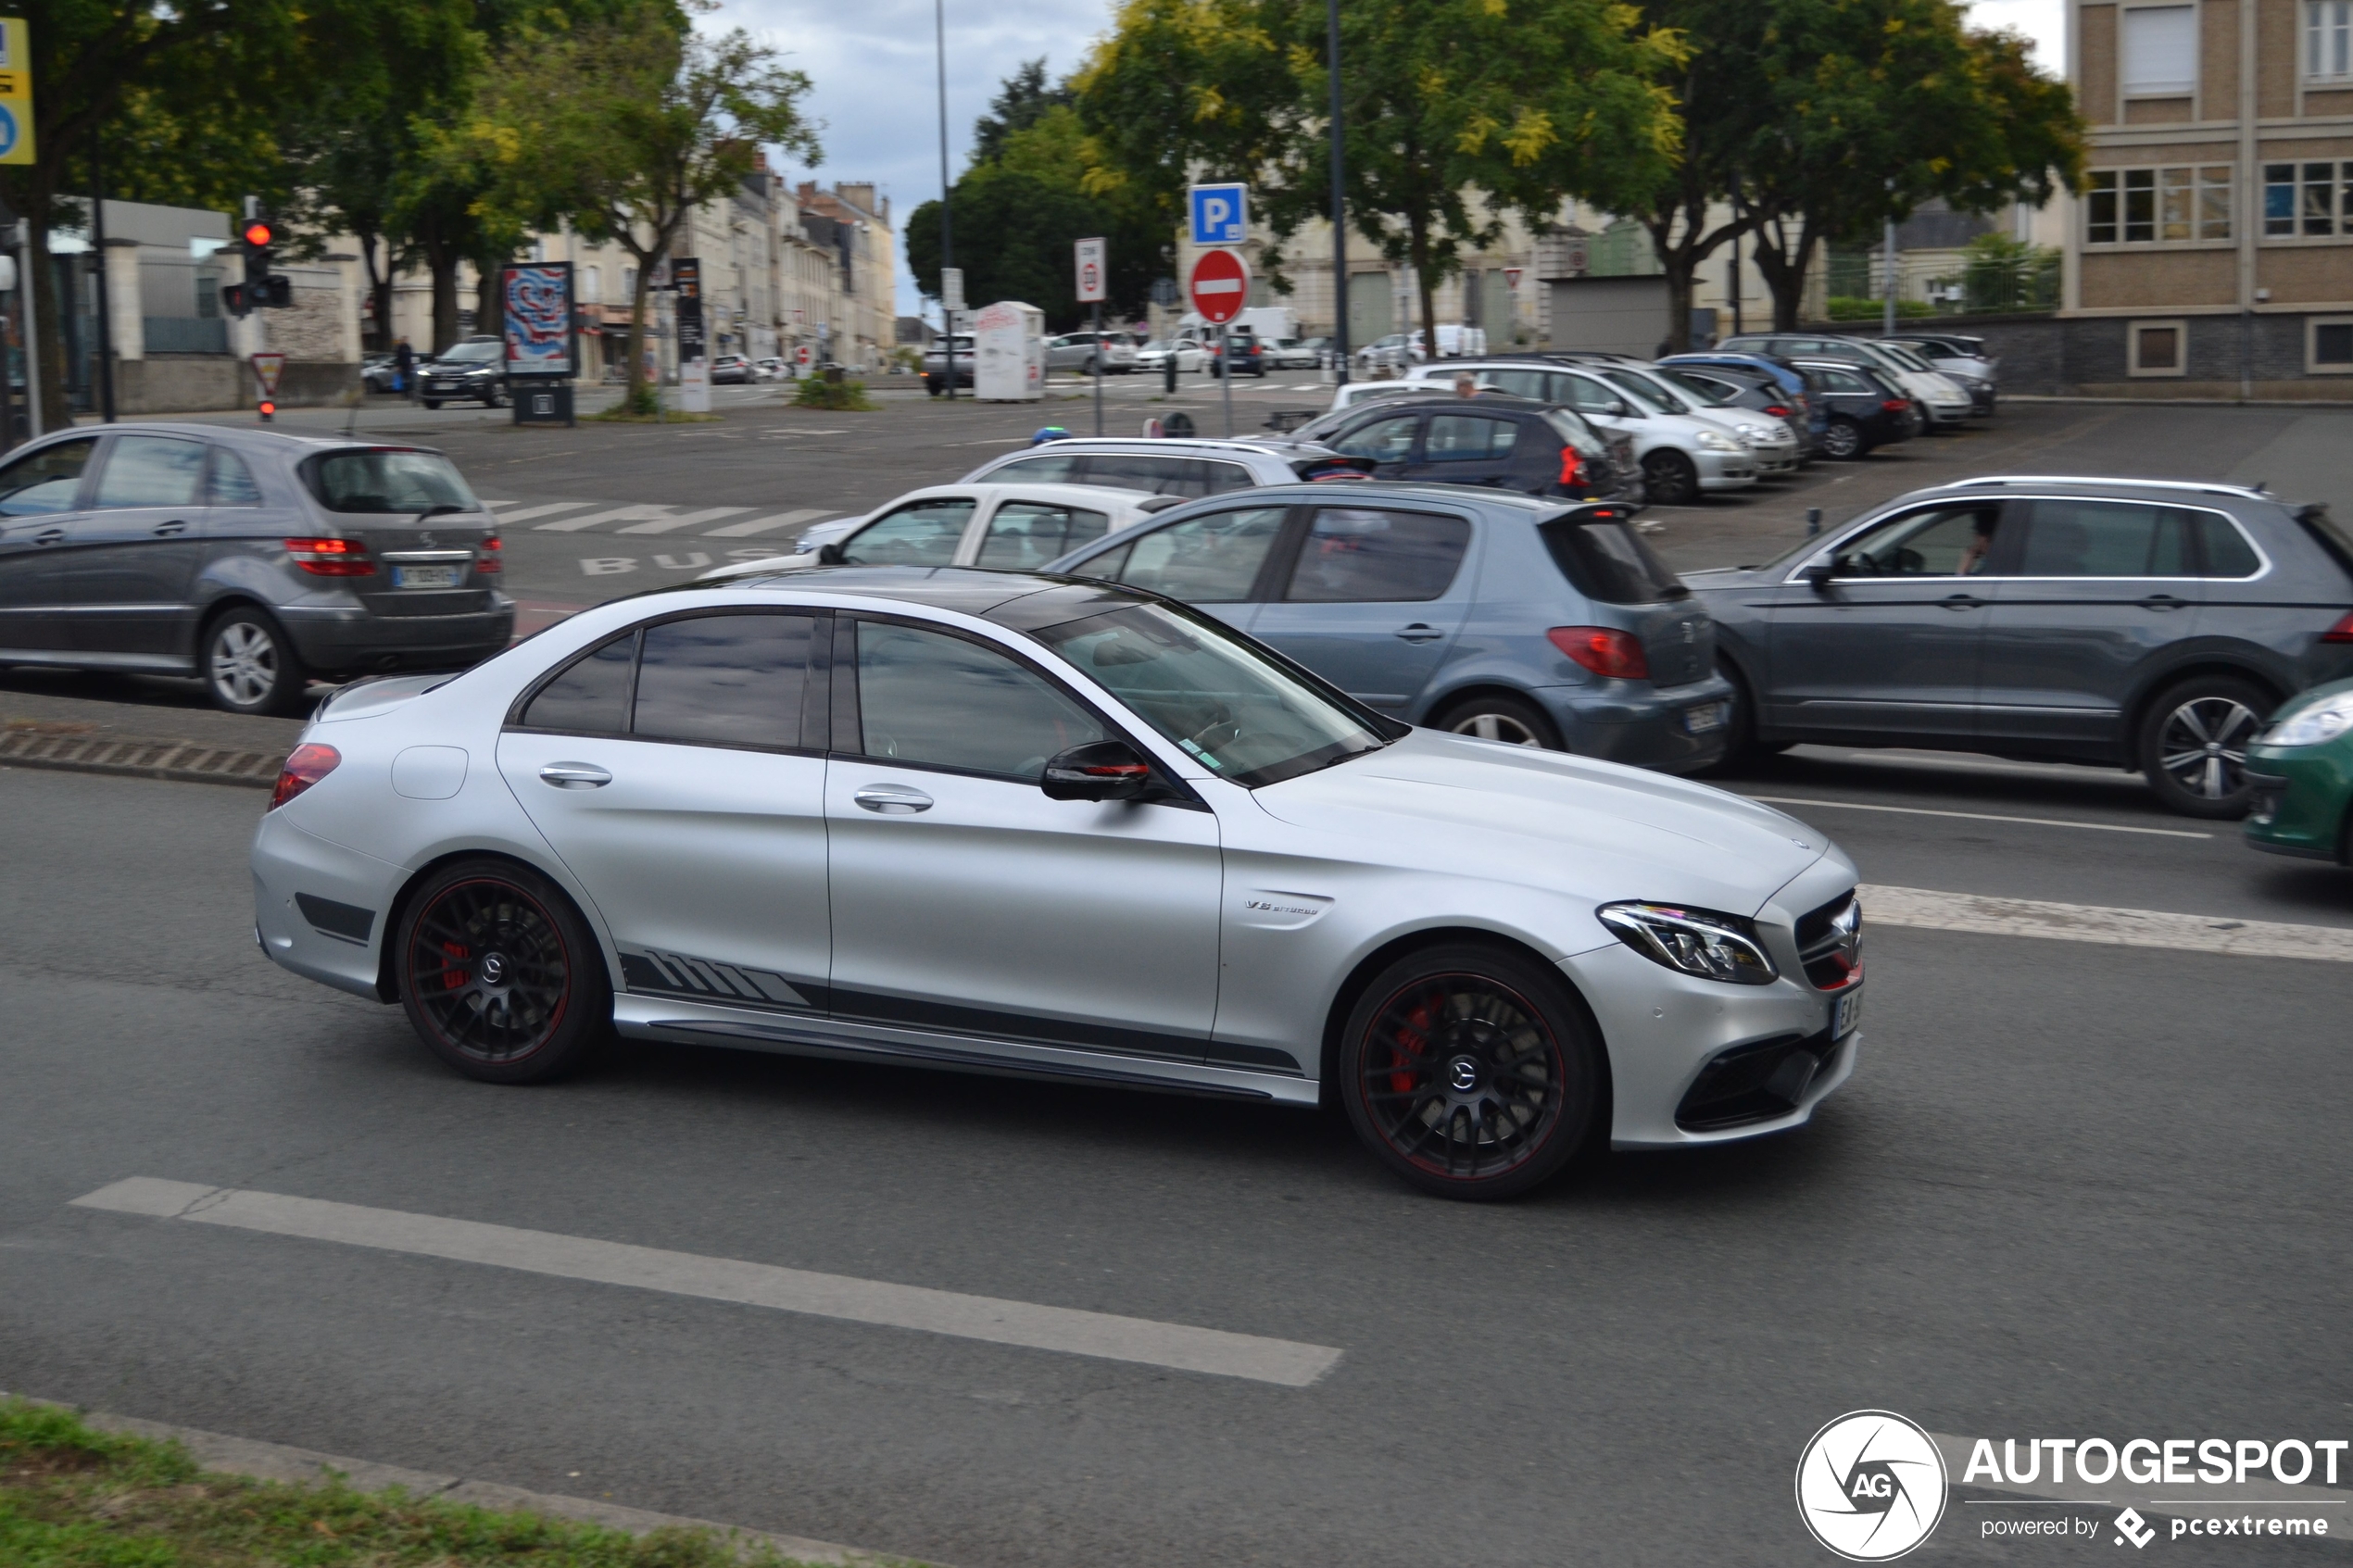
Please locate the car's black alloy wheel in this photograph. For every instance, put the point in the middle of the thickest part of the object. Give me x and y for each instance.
(1670, 479)
(2192, 743)
(1470, 1072)
(1844, 439)
(499, 975)
(248, 663)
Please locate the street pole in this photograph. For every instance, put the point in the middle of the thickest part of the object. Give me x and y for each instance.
(1339, 206)
(1099, 367)
(98, 277)
(1887, 328)
(1225, 373)
(1738, 325)
(947, 244)
(32, 328)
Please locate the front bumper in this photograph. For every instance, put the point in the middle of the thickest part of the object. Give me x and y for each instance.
(1725, 470)
(334, 639)
(1639, 725)
(1944, 415)
(2301, 801)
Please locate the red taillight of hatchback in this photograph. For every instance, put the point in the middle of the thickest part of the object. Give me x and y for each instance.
(332, 557)
(2342, 632)
(491, 555)
(1778, 410)
(1604, 651)
(1896, 405)
(305, 767)
(1572, 466)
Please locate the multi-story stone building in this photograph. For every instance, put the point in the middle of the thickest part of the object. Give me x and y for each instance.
(2213, 252)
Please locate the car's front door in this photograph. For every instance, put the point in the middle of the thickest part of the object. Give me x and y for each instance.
(1373, 599)
(2099, 586)
(137, 548)
(923, 532)
(672, 769)
(1890, 645)
(966, 902)
(40, 506)
(1214, 561)
(1389, 442)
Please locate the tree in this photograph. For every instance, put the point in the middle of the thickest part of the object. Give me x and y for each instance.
(1022, 100)
(625, 126)
(1455, 111)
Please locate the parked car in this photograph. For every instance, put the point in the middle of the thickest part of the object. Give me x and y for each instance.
(472, 371)
(1191, 355)
(376, 372)
(1752, 390)
(1494, 440)
(1770, 437)
(1297, 353)
(999, 527)
(1185, 468)
(772, 369)
(1962, 358)
(1864, 408)
(730, 370)
(1007, 824)
(1682, 457)
(2134, 623)
(1796, 384)
(1079, 351)
(1249, 355)
(1506, 616)
(251, 560)
(936, 372)
(1392, 353)
(1943, 402)
(2299, 775)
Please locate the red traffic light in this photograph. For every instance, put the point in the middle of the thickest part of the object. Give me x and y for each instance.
(259, 234)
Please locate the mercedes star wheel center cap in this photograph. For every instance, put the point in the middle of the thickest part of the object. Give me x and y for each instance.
(1463, 1073)
(493, 968)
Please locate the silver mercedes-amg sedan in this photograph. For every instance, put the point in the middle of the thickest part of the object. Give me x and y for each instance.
(1051, 828)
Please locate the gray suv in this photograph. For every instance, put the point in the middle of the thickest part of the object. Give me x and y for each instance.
(2135, 623)
(251, 559)
(1510, 618)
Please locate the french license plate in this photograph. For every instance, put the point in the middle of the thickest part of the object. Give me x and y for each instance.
(424, 576)
(1706, 717)
(1847, 1014)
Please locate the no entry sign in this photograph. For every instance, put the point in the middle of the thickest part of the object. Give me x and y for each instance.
(1220, 286)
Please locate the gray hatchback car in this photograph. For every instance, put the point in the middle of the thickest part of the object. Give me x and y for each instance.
(1506, 616)
(253, 559)
(2135, 623)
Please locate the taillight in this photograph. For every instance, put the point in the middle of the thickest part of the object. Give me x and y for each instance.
(1778, 410)
(489, 559)
(332, 557)
(1604, 651)
(1896, 405)
(1571, 465)
(2342, 632)
(305, 767)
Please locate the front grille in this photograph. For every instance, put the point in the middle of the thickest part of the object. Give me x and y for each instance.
(1829, 944)
(1754, 1083)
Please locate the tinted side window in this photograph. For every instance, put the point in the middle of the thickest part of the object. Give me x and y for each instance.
(922, 533)
(593, 695)
(1189, 477)
(1519, 384)
(1057, 468)
(231, 483)
(736, 680)
(1211, 559)
(1456, 438)
(927, 696)
(151, 471)
(2070, 538)
(45, 482)
(1846, 381)
(1386, 441)
(1934, 542)
(2226, 551)
(1607, 561)
(1358, 554)
(1591, 397)
(1029, 533)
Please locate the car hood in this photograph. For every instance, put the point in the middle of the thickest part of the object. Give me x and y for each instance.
(1569, 824)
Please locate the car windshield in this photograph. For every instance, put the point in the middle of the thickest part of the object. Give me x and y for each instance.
(1223, 699)
(386, 480)
(1647, 395)
(1905, 357)
(473, 351)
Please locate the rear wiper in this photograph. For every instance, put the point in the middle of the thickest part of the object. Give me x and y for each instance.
(433, 511)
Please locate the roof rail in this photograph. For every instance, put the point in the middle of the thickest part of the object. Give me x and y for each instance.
(2256, 493)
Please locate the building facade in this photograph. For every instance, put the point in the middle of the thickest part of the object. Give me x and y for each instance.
(2212, 255)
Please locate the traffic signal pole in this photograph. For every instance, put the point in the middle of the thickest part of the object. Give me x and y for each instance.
(98, 282)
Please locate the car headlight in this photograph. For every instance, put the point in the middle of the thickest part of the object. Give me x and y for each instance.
(2316, 722)
(1757, 433)
(1716, 441)
(1700, 942)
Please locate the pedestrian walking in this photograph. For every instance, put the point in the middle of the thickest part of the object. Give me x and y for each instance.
(403, 369)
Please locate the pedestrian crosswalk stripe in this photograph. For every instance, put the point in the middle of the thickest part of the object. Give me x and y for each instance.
(548, 511)
(672, 524)
(1931, 911)
(750, 526)
(612, 514)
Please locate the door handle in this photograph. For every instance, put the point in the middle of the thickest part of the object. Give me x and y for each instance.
(1421, 631)
(48, 536)
(1962, 601)
(166, 530)
(575, 775)
(2164, 601)
(893, 800)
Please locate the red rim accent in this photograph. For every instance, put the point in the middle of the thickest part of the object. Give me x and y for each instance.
(1461, 1077)
(500, 1018)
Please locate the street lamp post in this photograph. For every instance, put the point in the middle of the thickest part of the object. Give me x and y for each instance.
(947, 246)
(1340, 202)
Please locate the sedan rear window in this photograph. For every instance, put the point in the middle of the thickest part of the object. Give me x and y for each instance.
(386, 480)
(1605, 560)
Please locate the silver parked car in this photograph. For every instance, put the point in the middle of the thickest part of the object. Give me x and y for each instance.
(249, 558)
(1015, 824)
(1001, 527)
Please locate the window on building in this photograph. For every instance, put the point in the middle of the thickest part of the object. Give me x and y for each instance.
(2331, 346)
(2160, 50)
(2158, 348)
(2311, 199)
(2148, 206)
(592, 285)
(2328, 39)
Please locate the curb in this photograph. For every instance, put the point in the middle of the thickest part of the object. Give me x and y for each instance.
(181, 762)
(275, 1462)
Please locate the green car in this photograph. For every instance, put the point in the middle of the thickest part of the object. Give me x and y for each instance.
(2300, 771)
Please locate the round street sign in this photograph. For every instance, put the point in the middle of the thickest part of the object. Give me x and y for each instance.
(1220, 286)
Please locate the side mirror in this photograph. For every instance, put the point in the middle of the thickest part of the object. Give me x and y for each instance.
(1820, 573)
(1104, 770)
(830, 555)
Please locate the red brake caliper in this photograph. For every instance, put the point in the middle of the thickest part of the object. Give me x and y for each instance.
(1412, 1040)
(456, 952)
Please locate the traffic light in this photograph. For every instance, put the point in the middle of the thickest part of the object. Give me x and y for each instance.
(232, 299)
(259, 234)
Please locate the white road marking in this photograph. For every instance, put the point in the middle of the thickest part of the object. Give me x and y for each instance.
(610, 514)
(1977, 816)
(1920, 907)
(550, 509)
(684, 520)
(1071, 1332)
(750, 526)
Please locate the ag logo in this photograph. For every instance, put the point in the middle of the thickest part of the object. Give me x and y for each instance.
(1870, 1486)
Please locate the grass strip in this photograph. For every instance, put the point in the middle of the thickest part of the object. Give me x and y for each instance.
(72, 1497)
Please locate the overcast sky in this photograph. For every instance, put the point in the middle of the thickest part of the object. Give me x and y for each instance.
(875, 68)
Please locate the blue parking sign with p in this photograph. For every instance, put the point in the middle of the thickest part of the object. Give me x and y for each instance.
(1221, 214)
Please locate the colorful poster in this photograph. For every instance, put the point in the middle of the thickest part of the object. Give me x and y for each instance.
(539, 314)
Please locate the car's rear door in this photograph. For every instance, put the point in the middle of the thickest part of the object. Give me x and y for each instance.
(137, 548)
(1371, 596)
(1466, 449)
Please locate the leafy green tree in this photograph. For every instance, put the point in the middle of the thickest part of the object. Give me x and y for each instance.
(1456, 113)
(625, 126)
(1021, 103)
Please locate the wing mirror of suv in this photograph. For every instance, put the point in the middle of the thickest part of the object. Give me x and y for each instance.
(830, 555)
(1819, 573)
(1104, 770)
